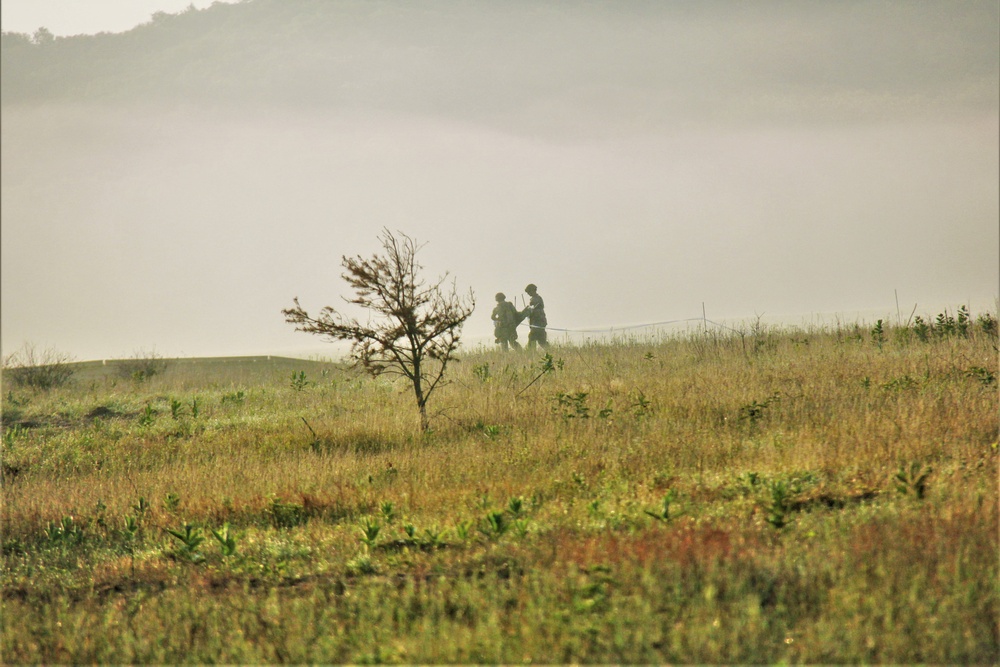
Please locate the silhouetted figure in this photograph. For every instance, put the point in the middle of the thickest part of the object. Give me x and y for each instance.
(505, 320)
(535, 312)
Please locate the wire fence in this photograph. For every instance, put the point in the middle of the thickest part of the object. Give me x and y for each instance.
(632, 327)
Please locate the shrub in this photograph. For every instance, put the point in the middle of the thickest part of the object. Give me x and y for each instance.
(34, 369)
(141, 366)
(987, 324)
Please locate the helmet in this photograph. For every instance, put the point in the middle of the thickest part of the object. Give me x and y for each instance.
(530, 288)
(501, 296)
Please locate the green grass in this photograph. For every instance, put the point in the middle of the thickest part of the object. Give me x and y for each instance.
(778, 495)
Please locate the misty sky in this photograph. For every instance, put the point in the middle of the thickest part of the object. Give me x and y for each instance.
(793, 159)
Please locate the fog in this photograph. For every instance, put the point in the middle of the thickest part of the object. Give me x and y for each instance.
(799, 162)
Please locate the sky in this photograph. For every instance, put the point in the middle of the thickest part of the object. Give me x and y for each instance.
(808, 164)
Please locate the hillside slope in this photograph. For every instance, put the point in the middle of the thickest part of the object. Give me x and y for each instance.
(482, 58)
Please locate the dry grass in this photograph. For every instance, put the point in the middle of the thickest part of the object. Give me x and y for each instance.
(858, 566)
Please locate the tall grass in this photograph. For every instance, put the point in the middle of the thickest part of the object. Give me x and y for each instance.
(740, 496)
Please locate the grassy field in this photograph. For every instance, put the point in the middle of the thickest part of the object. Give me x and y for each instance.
(752, 496)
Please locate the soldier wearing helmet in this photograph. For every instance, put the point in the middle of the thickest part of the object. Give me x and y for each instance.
(505, 320)
(535, 312)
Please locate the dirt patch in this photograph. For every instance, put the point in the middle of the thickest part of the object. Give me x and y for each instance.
(103, 412)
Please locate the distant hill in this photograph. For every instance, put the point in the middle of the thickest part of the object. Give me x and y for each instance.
(485, 58)
(216, 369)
(352, 52)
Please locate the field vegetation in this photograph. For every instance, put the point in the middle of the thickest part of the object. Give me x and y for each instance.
(753, 495)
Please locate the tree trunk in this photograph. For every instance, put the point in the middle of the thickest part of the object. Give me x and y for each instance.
(418, 392)
(424, 423)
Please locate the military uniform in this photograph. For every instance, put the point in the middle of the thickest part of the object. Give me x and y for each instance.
(505, 320)
(536, 318)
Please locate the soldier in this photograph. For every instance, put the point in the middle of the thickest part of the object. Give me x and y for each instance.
(505, 320)
(535, 313)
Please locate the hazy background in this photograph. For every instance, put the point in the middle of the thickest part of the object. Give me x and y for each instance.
(174, 186)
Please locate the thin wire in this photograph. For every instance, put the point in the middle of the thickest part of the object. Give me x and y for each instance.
(634, 326)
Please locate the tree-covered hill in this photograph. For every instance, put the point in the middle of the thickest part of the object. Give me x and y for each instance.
(485, 58)
(308, 51)
(244, 51)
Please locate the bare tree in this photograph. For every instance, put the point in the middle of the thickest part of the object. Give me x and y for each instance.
(416, 328)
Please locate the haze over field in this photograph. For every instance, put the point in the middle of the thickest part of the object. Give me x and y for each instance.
(176, 185)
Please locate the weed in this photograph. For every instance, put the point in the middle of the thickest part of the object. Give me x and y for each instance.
(226, 540)
(482, 500)
(748, 482)
(962, 322)
(571, 406)
(902, 383)
(141, 507)
(944, 324)
(987, 324)
(370, 529)
(194, 408)
(594, 507)
(14, 399)
(780, 506)
(433, 538)
(494, 525)
(13, 547)
(663, 514)
(754, 411)
(462, 530)
(10, 436)
(482, 372)
(148, 416)
(641, 407)
(388, 511)
(878, 335)
(130, 535)
(130, 528)
(299, 381)
(171, 502)
(100, 514)
(912, 479)
(235, 397)
(515, 506)
(176, 409)
(66, 533)
(190, 538)
(362, 564)
(985, 376)
(762, 339)
(286, 515)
